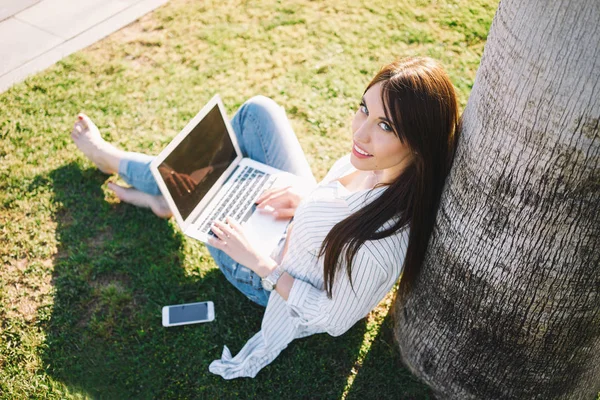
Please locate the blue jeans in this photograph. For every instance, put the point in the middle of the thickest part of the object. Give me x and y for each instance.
(264, 134)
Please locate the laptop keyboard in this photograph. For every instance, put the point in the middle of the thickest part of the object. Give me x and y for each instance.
(238, 201)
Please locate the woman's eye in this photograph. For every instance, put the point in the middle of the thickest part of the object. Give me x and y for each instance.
(363, 108)
(385, 126)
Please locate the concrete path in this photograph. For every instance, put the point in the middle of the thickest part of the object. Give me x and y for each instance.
(34, 34)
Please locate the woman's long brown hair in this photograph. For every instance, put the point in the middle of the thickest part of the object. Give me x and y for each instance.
(419, 99)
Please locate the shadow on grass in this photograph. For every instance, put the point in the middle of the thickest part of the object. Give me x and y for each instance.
(382, 371)
(118, 265)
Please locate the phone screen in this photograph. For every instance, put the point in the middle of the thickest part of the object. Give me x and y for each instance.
(188, 312)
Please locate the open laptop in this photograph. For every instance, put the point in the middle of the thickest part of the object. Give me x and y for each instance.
(204, 177)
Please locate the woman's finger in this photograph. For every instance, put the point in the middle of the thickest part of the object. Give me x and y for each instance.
(269, 193)
(266, 209)
(264, 200)
(224, 227)
(183, 183)
(234, 224)
(278, 200)
(282, 201)
(216, 243)
(284, 213)
(190, 182)
(178, 189)
(218, 232)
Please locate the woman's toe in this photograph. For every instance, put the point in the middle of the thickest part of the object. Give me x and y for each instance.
(78, 129)
(82, 119)
(87, 122)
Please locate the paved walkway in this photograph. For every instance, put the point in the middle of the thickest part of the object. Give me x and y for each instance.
(34, 34)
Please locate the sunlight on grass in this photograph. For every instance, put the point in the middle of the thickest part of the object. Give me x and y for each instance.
(374, 321)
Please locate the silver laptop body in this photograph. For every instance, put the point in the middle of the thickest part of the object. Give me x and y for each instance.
(203, 176)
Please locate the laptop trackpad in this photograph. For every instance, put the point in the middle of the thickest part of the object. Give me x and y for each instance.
(263, 231)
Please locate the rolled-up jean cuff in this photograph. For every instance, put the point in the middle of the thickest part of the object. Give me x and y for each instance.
(137, 173)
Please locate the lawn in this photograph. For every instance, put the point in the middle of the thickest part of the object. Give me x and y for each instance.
(84, 277)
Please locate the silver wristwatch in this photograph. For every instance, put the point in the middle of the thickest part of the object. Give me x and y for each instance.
(269, 281)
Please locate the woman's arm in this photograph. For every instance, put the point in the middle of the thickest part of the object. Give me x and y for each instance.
(349, 303)
(284, 285)
(231, 239)
(285, 281)
(309, 305)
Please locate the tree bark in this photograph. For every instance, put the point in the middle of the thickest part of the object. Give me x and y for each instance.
(507, 304)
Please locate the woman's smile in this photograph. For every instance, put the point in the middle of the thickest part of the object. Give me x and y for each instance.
(360, 153)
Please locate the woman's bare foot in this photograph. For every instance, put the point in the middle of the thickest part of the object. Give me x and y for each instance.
(157, 204)
(87, 137)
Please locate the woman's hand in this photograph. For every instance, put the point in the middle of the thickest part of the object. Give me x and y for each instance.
(182, 183)
(282, 202)
(231, 240)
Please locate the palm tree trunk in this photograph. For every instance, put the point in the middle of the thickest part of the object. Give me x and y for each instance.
(507, 304)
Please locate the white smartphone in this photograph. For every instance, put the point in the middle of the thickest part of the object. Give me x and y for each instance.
(191, 313)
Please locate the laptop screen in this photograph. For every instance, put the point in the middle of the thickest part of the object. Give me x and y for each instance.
(197, 162)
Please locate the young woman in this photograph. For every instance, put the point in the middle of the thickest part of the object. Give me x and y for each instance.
(369, 220)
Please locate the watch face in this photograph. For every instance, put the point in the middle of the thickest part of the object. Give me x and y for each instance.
(267, 284)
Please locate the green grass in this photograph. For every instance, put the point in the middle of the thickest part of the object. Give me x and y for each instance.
(84, 277)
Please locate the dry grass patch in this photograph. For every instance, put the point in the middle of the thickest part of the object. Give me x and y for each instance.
(27, 286)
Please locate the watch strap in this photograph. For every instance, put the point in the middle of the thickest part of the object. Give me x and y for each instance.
(274, 276)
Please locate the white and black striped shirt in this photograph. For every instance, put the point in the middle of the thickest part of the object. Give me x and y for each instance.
(308, 310)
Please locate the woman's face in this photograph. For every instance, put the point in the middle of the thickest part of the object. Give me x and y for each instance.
(375, 145)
